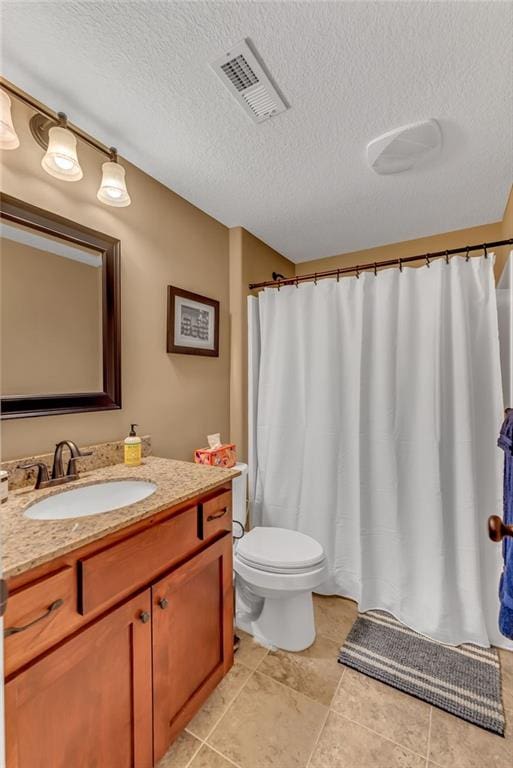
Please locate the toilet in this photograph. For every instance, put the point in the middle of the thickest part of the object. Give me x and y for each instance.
(276, 570)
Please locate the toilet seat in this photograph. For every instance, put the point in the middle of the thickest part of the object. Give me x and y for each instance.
(270, 569)
(280, 550)
(262, 579)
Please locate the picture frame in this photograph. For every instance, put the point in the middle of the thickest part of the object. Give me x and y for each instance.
(192, 323)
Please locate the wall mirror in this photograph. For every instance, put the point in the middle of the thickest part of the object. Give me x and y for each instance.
(60, 314)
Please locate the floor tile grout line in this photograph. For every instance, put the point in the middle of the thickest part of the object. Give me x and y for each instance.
(201, 743)
(321, 729)
(231, 701)
(386, 738)
(227, 707)
(310, 698)
(266, 654)
(242, 663)
(339, 684)
(221, 754)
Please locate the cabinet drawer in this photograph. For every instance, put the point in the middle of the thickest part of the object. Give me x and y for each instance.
(38, 616)
(123, 567)
(215, 514)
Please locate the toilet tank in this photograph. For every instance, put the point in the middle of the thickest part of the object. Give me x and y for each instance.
(239, 498)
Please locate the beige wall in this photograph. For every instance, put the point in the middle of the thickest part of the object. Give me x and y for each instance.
(507, 222)
(165, 240)
(499, 230)
(456, 239)
(50, 320)
(251, 261)
(178, 399)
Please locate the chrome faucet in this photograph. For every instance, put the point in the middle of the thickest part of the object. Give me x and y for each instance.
(58, 477)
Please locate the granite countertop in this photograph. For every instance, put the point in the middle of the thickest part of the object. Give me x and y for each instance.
(26, 543)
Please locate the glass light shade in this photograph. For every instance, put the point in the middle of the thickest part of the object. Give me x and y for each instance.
(8, 136)
(113, 189)
(61, 158)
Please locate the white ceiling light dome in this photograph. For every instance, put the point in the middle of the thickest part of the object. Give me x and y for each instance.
(403, 148)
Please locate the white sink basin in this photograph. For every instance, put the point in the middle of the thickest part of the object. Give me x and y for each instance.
(90, 500)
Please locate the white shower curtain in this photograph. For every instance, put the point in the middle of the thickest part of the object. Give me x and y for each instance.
(377, 404)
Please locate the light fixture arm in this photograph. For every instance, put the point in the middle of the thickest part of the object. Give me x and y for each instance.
(39, 125)
(58, 138)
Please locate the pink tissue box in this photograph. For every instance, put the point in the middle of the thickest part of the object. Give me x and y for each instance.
(224, 456)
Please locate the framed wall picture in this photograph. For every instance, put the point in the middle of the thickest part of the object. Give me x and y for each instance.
(192, 323)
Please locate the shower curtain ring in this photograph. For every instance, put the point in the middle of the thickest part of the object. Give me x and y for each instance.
(467, 256)
(485, 250)
(315, 278)
(400, 265)
(428, 263)
(358, 273)
(447, 257)
(375, 269)
(338, 275)
(297, 283)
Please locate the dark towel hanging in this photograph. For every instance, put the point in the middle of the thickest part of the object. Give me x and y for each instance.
(505, 442)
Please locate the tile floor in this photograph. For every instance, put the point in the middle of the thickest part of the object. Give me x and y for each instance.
(304, 710)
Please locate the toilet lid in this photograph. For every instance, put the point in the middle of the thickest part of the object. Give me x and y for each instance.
(279, 548)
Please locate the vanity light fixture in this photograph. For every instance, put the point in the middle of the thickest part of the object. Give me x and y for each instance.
(8, 136)
(113, 189)
(59, 140)
(61, 159)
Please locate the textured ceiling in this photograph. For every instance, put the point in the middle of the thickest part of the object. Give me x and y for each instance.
(136, 75)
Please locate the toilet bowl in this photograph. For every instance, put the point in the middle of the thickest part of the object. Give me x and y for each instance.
(276, 571)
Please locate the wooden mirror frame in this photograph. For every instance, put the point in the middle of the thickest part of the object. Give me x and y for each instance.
(27, 406)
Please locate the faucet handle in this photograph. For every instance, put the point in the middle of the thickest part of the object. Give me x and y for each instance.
(72, 470)
(42, 471)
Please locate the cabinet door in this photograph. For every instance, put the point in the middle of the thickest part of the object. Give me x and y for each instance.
(87, 703)
(192, 638)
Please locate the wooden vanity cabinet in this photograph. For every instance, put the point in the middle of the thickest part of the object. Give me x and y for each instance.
(87, 702)
(117, 672)
(192, 638)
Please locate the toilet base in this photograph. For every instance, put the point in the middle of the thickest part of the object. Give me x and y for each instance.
(285, 622)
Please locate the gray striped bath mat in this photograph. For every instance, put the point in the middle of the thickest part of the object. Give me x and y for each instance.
(463, 680)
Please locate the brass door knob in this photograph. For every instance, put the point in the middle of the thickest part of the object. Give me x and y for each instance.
(163, 603)
(144, 616)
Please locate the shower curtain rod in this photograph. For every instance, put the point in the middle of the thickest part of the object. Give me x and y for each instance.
(375, 265)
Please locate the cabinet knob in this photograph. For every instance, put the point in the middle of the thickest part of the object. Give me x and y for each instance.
(144, 616)
(163, 603)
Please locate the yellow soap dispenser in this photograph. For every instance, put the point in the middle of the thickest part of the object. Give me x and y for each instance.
(133, 448)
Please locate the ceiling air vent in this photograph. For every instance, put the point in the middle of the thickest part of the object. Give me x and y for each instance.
(244, 76)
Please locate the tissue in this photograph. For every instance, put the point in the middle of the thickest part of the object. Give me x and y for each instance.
(217, 454)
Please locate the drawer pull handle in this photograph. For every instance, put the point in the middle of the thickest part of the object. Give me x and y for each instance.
(144, 616)
(53, 607)
(163, 603)
(218, 515)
